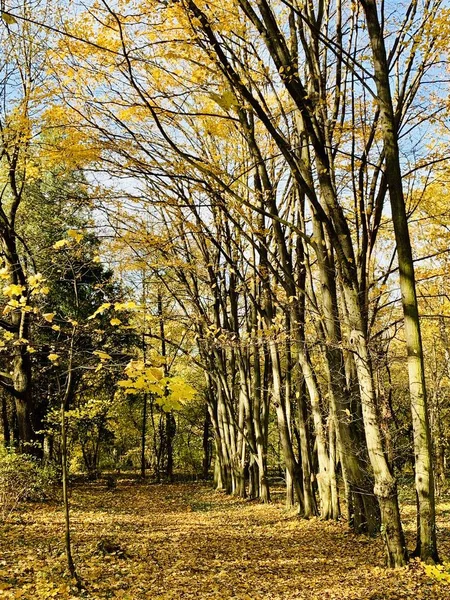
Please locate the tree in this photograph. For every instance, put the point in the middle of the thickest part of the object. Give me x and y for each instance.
(426, 534)
(29, 151)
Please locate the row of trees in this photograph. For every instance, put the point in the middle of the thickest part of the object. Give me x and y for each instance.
(265, 159)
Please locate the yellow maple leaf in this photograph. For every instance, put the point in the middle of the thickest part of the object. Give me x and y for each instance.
(227, 100)
(35, 280)
(155, 373)
(129, 305)
(60, 244)
(13, 290)
(100, 310)
(75, 235)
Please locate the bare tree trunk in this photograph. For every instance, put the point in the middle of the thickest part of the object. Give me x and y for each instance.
(332, 445)
(23, 401)
(239, 453)
(285, 438)
(67, 536)
(143, 437)
(364, 512)
(5, 422)
(260, 429)
(65, 473)
(206, 462)
(385, 484)
(171, 428)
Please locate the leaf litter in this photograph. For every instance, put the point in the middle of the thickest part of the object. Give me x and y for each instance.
(186, 541)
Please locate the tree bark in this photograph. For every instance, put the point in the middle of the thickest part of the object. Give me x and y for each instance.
(5, 422)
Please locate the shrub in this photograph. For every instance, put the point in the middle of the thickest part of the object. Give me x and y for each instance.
(23, 478)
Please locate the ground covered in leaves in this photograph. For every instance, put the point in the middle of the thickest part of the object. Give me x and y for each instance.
(186, 541)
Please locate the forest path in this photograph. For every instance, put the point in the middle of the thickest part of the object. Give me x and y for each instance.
(185, 541)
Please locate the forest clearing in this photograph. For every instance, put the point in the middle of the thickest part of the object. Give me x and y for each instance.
(187, 541)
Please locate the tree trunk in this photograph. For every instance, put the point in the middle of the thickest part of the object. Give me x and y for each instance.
(5, 422)
(23, 400)
(25, 428)
(206, 462)
(385, 485)
(285, 438)
(364, 514)
(144, 437)
(323, 475)
(171, 428)
(259, 425)
(332, 445)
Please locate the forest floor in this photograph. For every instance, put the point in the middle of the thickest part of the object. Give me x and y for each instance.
(185, 541)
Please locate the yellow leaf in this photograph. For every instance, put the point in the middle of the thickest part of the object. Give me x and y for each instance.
(115, 321)
(180, 390)
(49, 316)
(8, 19)
(130, 305)
(53, 357)
(13, 290)
(102, 355)
(155, 372)
(127, 383)
(60, 244)
(35, 280)
(100, 310)
(56, 327)
(76, 235)
(226, 101)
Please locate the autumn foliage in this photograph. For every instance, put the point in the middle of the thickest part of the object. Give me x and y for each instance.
(224, 255)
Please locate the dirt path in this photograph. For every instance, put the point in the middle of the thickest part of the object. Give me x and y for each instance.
(188, 542)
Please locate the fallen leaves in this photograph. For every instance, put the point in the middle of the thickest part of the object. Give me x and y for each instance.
(187, 541)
